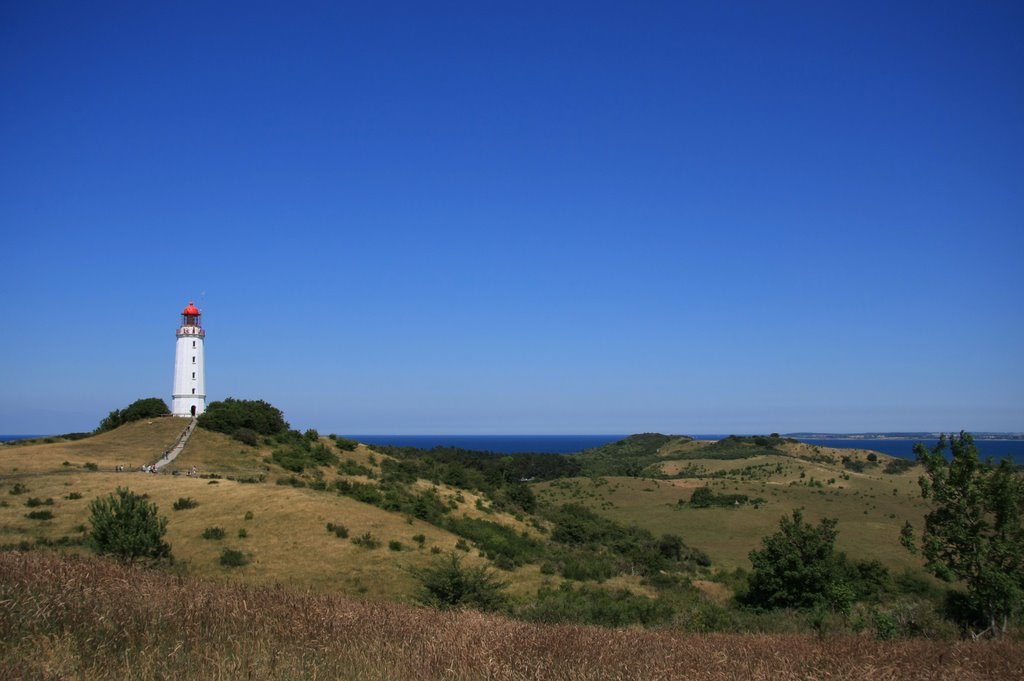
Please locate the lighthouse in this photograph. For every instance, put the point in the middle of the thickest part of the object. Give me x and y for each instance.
(189, 396)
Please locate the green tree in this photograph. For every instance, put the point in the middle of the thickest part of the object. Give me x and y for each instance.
(230, 415)
(126, 526)
(798, 567)
(974, 532)
(145, 408)
(448, 584)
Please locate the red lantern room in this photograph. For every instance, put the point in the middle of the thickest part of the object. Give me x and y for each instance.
(190, 315)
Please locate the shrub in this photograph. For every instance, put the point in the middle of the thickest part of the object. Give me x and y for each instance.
(594, 605)
(185, 503)
(126, 526)
(247, 436)
(395, 545)
(367, 541)
(33, 502)
(339, 531)
(419, 539)
(72, 496)
(39, 515)
(242, 534)
(233, 558)
(248, 515)
(18, 488)
(345, 444)
(90, 466)
(148, 407)
(447, 584)
(213, 533)
(230, 415)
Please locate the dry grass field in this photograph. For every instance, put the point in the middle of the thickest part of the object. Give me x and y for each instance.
(88, 618)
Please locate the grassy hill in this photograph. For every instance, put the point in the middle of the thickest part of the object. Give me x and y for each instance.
(605, 536)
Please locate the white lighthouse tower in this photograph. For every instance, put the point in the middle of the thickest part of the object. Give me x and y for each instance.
(189, 396)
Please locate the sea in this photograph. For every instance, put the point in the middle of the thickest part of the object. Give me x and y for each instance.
(568, 444)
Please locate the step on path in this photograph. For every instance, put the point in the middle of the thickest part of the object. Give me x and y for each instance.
(172, 454)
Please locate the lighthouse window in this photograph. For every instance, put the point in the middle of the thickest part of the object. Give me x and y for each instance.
(193, 374)
(193, 359)
(193, 391)
(193, 343)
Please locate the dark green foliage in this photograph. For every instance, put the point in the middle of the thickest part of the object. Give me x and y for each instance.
(242, 533)
(594, 605)
(184, 503)
(18, 488)
(246, 436)
(89, 466)
(340, 531)
(233, 558)
(146, 408)
(344, 444)
(33, 502)
(704, 497)
(366, 540)
(896, 466)
(39, 515)
(629, 456)
(350, 467)
(975, 530)
(72, 496)
(213, 533)
(496, 541)
(229, 415)
(419, 539)
(300, 453)
(448, 584)
(126, 526)
(858, 466)
(797, 567)
(395, 545)
(737, 447)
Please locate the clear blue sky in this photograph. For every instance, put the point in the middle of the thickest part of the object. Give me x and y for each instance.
(505, 217)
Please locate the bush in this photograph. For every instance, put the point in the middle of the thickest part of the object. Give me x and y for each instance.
(72, 496)
(148, 407)
(395, 545)
(247, 436)
(33, 502)
(367, 541)
(594, 605)
(185, 503)
(242, 534)
(18, 488)
(213, 533)
(344, 444)
(340, 531)
(90, 466)
(230, 415)
(233, 558)
(39, 515)
(447, 584)
(126, 526)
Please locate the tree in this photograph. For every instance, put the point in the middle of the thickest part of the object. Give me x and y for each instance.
(145, 408)
(798, 567)
(230, 415)
(126, 526)
(447, 584)
(974, 532)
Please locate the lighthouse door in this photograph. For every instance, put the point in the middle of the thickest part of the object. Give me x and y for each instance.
(193, 411)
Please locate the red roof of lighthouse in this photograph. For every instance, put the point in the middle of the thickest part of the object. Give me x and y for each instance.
(191, 310)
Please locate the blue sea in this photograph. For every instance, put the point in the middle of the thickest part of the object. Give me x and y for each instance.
(568, 444)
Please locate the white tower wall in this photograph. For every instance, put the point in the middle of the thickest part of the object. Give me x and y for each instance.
(189, 369)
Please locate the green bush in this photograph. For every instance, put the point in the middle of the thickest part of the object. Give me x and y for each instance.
(247, 436)
(594, 605)
(148, 407)
(39, 515)
(72, 496)
(339, 531)
(367, 541)
(448, 584)
(242, 534)
(213, 533)
(33, 502)
(90, 466)
(233, 558)
(18, 488)
(185, 503)
(344, 444)
(126, 525)
(229, 415)
(395, 545)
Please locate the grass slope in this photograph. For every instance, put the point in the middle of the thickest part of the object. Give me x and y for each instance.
(92, 619)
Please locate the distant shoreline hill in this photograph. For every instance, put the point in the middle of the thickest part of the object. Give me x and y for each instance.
(900, 436)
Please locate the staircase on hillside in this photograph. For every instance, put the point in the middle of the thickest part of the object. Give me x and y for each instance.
(173, 452)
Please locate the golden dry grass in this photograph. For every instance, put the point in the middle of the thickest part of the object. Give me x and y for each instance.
(88, 618)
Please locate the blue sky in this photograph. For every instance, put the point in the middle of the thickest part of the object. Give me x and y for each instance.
(519, 217)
